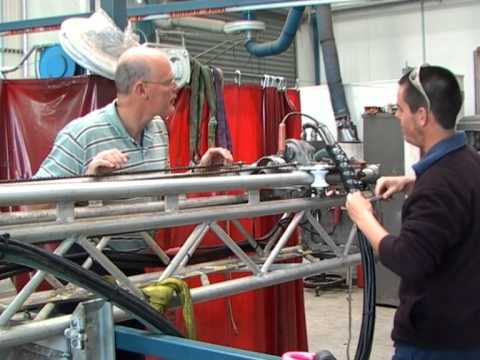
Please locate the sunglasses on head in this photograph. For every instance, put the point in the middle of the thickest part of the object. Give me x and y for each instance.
(414, 79)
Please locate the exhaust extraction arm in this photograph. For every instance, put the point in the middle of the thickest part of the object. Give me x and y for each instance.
(346, 130)
(285, 39)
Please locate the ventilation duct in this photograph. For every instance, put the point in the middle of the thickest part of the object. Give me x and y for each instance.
(346, 130)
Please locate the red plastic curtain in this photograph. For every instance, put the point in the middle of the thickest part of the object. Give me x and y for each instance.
(33, 111)
(269, 320)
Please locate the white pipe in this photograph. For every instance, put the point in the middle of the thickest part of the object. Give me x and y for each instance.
(283, 4)
(192, 23)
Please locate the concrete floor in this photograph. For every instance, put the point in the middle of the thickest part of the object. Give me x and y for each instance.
(327, 324)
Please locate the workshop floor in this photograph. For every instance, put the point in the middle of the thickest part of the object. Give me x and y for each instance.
(327, 324)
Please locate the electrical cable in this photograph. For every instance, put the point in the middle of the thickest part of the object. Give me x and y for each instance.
(28, 255)
(351, 184)
(367, 328)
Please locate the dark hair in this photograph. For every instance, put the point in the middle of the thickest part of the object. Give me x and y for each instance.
(442, 90)
(128, 72)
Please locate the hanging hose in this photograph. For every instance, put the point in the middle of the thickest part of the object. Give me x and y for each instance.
(367, 328)
(351, 184)
(36, 258)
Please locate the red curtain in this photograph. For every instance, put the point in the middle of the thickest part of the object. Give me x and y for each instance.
(269, 320)
(33, 111)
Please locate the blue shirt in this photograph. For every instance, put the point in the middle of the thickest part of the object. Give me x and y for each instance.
(438, 151)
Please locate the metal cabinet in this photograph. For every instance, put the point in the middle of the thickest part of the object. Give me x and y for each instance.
(383, 144)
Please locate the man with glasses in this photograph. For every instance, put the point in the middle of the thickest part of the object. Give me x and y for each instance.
(437, 251)
(128, 135)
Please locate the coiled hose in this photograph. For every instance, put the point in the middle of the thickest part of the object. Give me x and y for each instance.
(27, 255)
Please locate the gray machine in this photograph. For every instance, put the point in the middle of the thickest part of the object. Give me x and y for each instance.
(383, 144)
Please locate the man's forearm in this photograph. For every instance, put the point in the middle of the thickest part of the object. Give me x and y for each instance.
(372, 229)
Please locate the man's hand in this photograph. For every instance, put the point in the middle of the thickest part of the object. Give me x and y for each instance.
(388, 185)
(216, 157)
(361, 212)
(106, 161)
(358, 207)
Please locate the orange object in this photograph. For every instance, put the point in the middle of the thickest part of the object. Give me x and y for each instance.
(360, 278)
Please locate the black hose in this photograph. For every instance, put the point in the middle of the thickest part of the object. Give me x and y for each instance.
(135, 263)
(367, 328)
(36, 258)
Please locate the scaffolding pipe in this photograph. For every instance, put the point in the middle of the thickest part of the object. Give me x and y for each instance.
(151, 221)
(64, 192)
(28, 217)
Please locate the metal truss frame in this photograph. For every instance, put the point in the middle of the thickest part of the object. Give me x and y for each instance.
(74, 225)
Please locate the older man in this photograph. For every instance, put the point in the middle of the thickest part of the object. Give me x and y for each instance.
(129, 134)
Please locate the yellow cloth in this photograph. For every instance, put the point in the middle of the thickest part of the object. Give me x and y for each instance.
(160, 294)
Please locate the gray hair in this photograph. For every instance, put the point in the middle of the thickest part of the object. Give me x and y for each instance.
(128, 72)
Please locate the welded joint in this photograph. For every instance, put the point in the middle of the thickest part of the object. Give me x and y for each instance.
(282, 241)
(248, 237)
(171, 203)
(65, 211)
(253, 197)
(108, 265)
(237, 250)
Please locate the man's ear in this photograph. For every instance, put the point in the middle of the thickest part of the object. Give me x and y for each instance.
(422, 117)
(139, 89)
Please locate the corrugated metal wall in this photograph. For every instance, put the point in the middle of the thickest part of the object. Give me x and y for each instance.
(233, 56)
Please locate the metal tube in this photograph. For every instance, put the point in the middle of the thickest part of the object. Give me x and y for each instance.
(190, 252)
(323, 233)
(351, 236)
(275, 235)
(32, 285)
(198, 233)
(155, 248)
(28, 217)
(45, 312)
(48, 308)
(225, 265)
(34, 331)
(100, 246)
(48, 193)
(248, 236)
(282, 241)
(109, 266)
(234, 247)
(142, 222)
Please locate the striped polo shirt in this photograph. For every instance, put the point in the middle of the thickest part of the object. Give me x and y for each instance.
(83, 138)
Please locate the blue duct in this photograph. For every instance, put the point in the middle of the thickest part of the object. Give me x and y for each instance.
(345, 128)
(285, 39)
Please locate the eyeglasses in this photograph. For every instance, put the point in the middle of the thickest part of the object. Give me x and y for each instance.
(171, 83)
(414, 78)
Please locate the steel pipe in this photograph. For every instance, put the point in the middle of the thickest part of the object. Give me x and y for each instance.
(36, 216)
(117, 225)
(56, 192)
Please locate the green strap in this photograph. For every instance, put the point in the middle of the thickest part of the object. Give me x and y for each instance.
(212, 104)
(202, 87)
(160, 294)
(194, 118)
